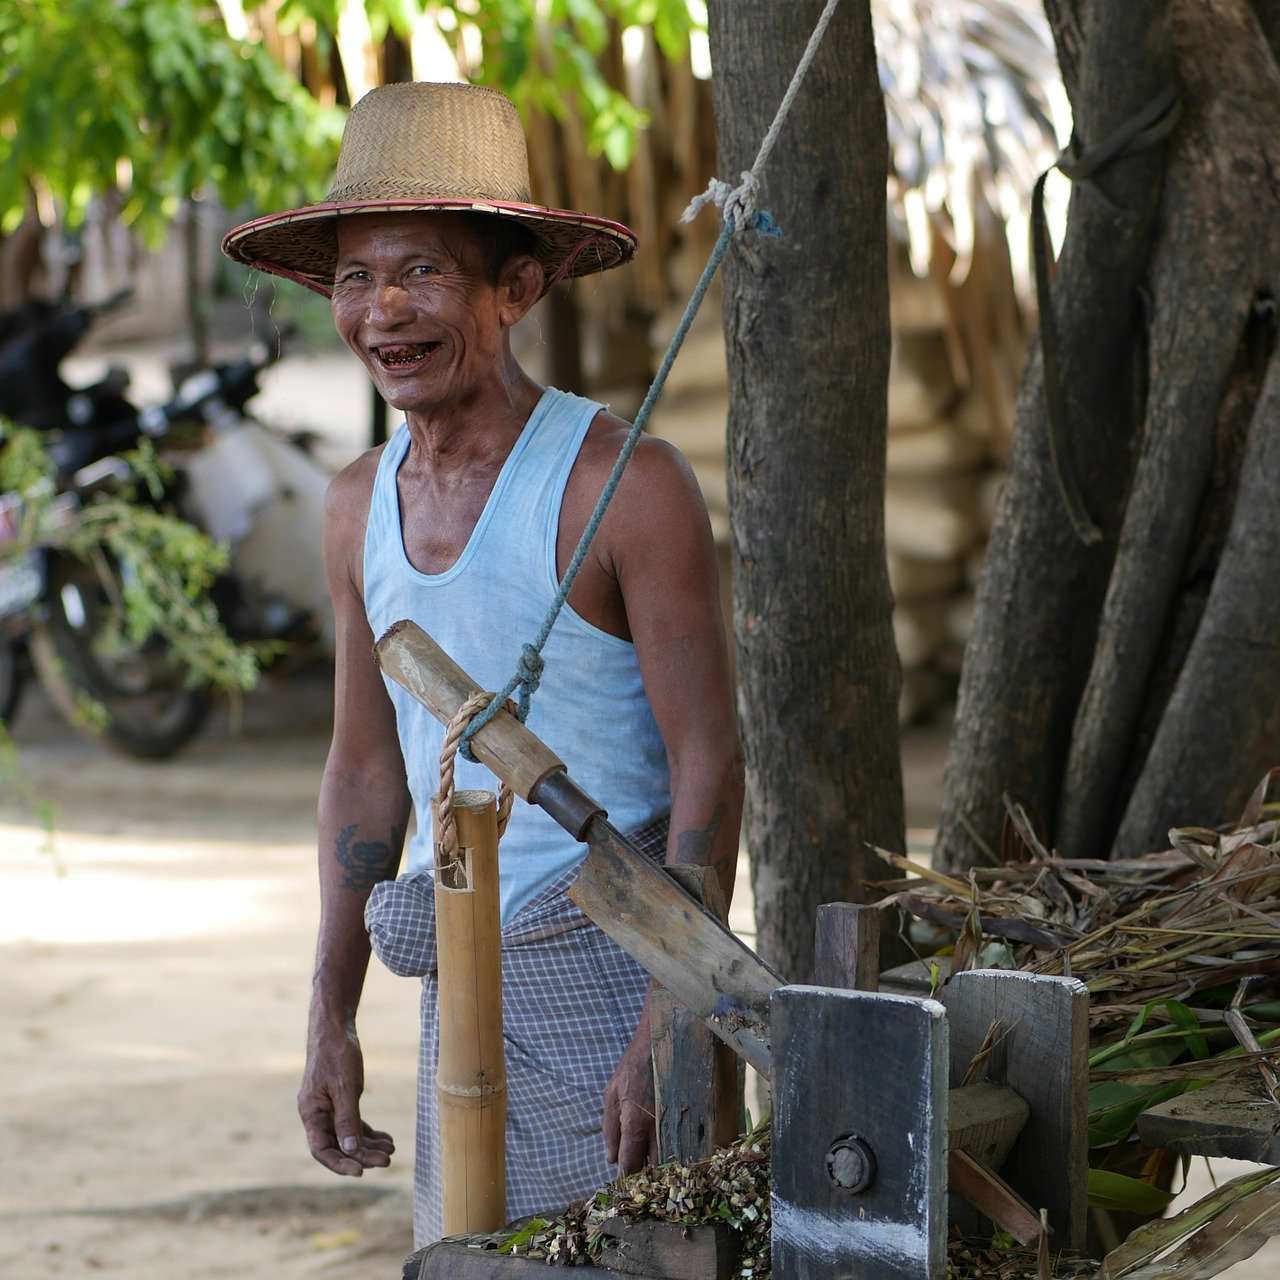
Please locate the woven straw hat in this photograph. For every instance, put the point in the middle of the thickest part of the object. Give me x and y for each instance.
(421, 147)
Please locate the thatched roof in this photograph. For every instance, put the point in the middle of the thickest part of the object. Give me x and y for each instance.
(975, 108)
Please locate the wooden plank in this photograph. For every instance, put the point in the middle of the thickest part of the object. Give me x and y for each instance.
(698, 1079)
(854, 1068)
(1042, 1054)
(1232, 1118)
(846, 947)
(984, 1121)
(992, 1197)
(683, 946)
(645, 1247)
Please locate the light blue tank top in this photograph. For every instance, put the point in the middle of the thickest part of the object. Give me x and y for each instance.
(591, 707)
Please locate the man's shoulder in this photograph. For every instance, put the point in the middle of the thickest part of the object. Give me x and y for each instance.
(351, 489)
(656, 466)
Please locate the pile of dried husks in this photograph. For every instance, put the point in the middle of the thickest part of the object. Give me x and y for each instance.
(1180, 951)
(731, 1186)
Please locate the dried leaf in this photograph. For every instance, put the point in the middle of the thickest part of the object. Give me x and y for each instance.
(1235, 1219)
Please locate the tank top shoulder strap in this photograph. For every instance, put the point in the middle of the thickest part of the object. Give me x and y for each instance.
(383, 521)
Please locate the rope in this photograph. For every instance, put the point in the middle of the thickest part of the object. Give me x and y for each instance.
(447, 837)
(738, 205)
(1145, 129)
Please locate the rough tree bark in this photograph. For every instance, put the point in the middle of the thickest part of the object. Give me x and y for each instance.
(1099, 685)
(807, 331)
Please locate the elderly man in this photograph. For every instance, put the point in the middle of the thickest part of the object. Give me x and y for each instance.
(431, 252)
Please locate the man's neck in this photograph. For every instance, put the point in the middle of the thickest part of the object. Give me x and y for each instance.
(477, 428)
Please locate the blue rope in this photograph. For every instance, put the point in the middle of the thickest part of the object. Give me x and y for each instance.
(530, 668)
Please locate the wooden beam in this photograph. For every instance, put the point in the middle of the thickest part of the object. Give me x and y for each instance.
(645, 912)
(698, 1079)
(859, 1138)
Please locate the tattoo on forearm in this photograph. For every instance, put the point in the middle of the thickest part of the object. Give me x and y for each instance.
(693, 848)
(366, 862)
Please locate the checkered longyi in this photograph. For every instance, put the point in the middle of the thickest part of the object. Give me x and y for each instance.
(571, 998)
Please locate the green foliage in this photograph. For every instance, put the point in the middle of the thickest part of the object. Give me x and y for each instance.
(92, 91)
(160, 567)
(544, 54)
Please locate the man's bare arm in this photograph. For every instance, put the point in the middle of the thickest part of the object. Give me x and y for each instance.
(658, 538)
(363, 813)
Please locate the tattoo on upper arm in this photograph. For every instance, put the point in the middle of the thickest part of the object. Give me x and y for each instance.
(693, 848)
(366, 862)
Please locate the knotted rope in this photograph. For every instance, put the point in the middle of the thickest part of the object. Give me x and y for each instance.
(1143, 130)
(738, 205)
(447, 835)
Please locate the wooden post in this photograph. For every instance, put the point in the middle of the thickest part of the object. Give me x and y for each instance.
(859, 1136)
(697, 1079)
(471, 1074)
(846, 947)
(1042, 1053)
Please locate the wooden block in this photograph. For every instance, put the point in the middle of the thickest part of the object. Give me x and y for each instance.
(455, 1259)
(856, 1073)
(1232, 1118)
(698, 1080)
(1042, 1054)
(645, 1247)
(984, 1120)
(846, 947)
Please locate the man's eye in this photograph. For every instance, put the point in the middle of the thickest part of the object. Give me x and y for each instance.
(353, 277)
(422, 269)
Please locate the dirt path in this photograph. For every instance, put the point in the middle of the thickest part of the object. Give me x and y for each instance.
(153, 1016)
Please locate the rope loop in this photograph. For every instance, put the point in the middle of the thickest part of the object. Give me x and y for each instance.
(1145, 129)
(737, 204)
(446, 843)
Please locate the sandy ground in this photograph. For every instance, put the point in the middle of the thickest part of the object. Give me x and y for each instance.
(157, 966)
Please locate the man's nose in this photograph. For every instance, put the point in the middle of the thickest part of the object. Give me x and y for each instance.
(389, 306)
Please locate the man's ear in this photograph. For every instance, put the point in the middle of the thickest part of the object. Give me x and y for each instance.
(519, 287)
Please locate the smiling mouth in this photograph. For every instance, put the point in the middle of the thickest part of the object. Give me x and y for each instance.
(405, 357)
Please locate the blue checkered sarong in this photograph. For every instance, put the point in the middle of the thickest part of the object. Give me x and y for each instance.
(571, 999)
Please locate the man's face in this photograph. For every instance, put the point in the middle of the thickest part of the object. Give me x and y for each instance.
(413, 299)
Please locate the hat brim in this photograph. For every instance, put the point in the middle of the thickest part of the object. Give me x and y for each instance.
(302, 244)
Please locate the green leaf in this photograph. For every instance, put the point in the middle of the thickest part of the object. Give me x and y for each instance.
(1183, 1017)
(1119, 1193)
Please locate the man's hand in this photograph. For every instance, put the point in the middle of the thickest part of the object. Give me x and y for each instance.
(630, 1133)
(329, 1102)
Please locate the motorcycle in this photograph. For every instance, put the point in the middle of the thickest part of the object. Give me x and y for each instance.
(240, 482)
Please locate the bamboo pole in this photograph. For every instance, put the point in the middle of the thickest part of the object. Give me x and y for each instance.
(471, 1075)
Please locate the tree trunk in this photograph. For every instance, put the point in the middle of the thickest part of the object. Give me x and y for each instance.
(807, 331)
(1076, 686)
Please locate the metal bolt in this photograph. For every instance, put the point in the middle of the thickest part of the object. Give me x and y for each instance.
(851, 1164)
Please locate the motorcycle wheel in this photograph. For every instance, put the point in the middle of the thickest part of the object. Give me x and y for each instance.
(12, 681)
(150, 713)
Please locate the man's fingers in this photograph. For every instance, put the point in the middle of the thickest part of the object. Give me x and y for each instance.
(612, 1124)
(324, 1147)
(372, 1139)
(346, 1122)
(637, 1138)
